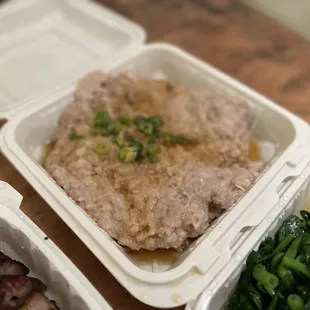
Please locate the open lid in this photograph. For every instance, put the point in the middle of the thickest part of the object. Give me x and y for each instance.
(48, 44)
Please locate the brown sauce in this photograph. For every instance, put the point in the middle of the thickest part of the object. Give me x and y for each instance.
(254, 154)
(47, 149)
(159, 255)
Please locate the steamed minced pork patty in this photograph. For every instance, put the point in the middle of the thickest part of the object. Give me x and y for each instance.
(150, 162)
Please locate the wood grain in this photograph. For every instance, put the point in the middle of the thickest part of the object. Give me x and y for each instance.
(238, 40)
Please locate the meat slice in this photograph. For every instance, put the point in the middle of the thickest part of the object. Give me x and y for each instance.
(37, 301)
(9, 266)
(14, 290)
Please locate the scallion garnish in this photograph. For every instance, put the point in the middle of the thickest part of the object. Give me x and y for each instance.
(101, 148)
(96, 131)
(113, 129)
(155, 120)
(139, 147)
(118, 141)
(125, 120)
(152, 152)
(144, 126)
(102, 119)
(128, 154)
(135, 150)
(74, 136)
(175, 139)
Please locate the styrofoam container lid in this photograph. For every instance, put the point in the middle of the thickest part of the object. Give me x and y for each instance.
(22, 240)
(48, 44)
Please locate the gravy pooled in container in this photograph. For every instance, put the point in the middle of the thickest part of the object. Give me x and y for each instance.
(153, 164)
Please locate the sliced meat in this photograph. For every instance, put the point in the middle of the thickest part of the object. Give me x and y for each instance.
(9, 266)
(37, 301)
(14, 290)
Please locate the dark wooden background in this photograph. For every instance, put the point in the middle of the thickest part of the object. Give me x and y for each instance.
(226, 33)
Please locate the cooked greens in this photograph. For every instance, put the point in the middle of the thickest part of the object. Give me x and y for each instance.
(277, 275)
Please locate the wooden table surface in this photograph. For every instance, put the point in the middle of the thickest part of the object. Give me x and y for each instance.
(244, 43)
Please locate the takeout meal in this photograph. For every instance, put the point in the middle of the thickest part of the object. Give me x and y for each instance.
(152, 163)
(19, 291)
(277, 274)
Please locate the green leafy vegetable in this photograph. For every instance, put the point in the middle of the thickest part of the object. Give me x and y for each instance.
(296, 266)
(265, 249)
(283, 244)
(277, 275)
(295, 302)
(269, 280)
(293, 225)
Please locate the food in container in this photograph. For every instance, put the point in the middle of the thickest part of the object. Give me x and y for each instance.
(181, 279)
(152, 163)
(34, 272)
(118, 47)
(277, 274)
(283, 237)
(19, 291)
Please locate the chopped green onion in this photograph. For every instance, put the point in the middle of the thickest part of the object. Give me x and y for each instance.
(96, 131)
(128, 154)
(155, 120)
(74, 136)
(175, 139)
(152, 152)
(102, 119)
(152, 139)
(139, 147)
(101, 148)
(125, 120)
(118, 141)
(113, 129)
(144, 126)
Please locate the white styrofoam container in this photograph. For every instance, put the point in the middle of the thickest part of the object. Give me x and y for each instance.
(33, 123)
(23, 241)
(215, 297)
(160, 284)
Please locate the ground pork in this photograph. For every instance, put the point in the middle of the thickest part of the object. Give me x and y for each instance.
(154, 205)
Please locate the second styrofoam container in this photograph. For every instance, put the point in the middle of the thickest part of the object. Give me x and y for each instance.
(23, 241)
(159, 283)
(215, 297)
